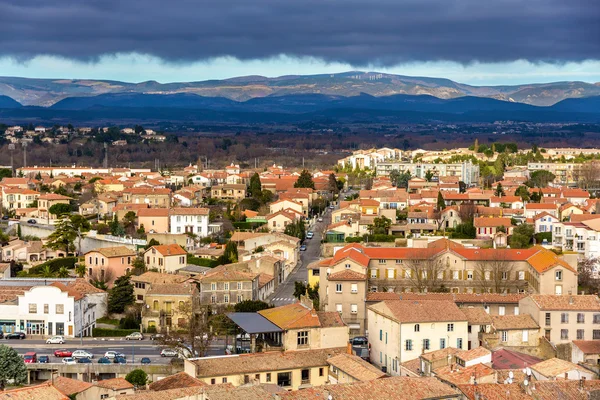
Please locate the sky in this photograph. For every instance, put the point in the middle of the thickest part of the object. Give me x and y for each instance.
(481, 42)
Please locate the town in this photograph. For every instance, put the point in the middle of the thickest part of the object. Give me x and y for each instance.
(465, 273)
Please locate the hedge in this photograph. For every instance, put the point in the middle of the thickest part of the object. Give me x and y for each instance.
(247, 225)
(103, 332)
(55, 264)
(202, 262)
(379, 238)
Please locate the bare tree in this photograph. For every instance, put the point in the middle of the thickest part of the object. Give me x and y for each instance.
(494, 274)
(587, 276)
(427, 274)
(587, 174)
(193, 329)
(466, 212)
(101, 278)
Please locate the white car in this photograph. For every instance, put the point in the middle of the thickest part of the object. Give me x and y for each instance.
(134, 336)
(77, 354)
(56, 340)
(169, 353)
(320, 219)
(112, 354)
(69, 360)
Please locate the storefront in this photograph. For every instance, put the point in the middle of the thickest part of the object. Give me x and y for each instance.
(8, 326)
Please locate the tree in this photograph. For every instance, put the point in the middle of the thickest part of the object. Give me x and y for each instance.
(138, 265)
(426, 274)
(333, 184)
(399, 179)
(80, 270)
(152, 242)
(129, 219)
(116, 229)
(60, 209)
(464, 230)
(521, 236)
(466, 212)
(230, 254)
(381, 225)
(137, 378)
(499, 190)
(429, 175)
(586, 276)
(523, 192)
(255, 186)
(441, 204)
(12, 367)
(536, 196)
(305, 180)
(251, 306)
(494, 274)
(63, 236)
(196, 335)
(121, 295)
(63, 272)
(541, 178)
(299, 289)
(80, 223)
(296, 229)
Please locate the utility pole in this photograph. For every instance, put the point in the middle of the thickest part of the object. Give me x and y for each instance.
(24, 144)
(11, 148)
(105, 155)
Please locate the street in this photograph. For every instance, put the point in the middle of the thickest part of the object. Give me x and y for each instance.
(284, 294)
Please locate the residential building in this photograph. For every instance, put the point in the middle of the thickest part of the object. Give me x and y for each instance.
(106, 264)
(564, 172)
(235, 192)
(290, 370)
(278, 221)
(16, 198)
(165, 258)
(466, 172)
(515, 330)
(103, 389)
(44, 391)
(189, 220)
(46, 201)
(169, 306)
(585, 351)
(153, 220)
(533, 209)
(555, 368)
(544, 222)
(348, 368)
(479, 321)
(564, 318)
(488, 227)
(285, 204)
(401, 330)
(144, 282)
(229, 284)
(155, 197)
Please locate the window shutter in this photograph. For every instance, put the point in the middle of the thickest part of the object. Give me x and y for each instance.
(377, 272)
(395, 273)
(460, 275)
(527, 275)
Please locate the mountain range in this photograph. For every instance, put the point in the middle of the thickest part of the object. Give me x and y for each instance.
(47, 92)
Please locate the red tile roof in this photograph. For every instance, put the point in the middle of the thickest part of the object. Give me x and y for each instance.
(347, 275)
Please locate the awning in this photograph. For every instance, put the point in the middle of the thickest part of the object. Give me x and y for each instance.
(253, 323)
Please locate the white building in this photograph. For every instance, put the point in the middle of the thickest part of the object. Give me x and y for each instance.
(466, 172)
(189, 220)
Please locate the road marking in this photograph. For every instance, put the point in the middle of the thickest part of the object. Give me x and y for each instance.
(116, 348)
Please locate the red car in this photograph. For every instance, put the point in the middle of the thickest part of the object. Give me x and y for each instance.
(63, 353)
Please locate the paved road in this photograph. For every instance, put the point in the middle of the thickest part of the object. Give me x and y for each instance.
(284, 294)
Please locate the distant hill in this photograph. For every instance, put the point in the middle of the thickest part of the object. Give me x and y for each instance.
(586, 105)
(46, 92)
(7, 102)
(129, 100)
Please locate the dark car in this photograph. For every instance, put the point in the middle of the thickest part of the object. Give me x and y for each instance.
(1, 335)
(120, 360)
(43, 359)
(360, 341)
(5, 218)
(84, 360)
(145, 360)
(16, 335)
(63, 353)
(104, 360)
(32, 221)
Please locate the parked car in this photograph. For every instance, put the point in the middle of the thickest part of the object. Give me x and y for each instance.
(104, 360)
(145, 360)
(112, 354)
(84, 360)
(1, 335)
(69, 360)
(360, 341)
(309, 235)
(168, 353)
(30, 358)
(32, 221)
(43, 359)
(63, 353)
(303, 248)
(157, 336)
(56, 340)
(77, 354)
(119, 360)
(16, 335)
(320, 219)
(134, 336)
(5, 218)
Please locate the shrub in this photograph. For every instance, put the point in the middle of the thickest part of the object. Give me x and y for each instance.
(103, 332)
(137, 377)
(357, 239)
(379, 238)
(539, 237)
(203, 262)
(55, 264)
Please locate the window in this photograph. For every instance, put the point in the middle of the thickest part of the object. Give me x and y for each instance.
(455, 275)
(268, 377)
(547, 319)
(425, 344)
(46, 308)
(521, 275)
(487, 275)
(213, 299)
(504, 335)
(417, 327)
(338, 308)
(348, 266)
(239, 286)
(284, 379)
(558, 275)
(501, 310)
(580, 318)
(354, 288)
(380, 335)
(398, 261)
(580, 334)
(226, 286)
(564, 334)
(516, 311)
(32, 308)
(381, 261)
(353, 308)
(390, 273)
(103, 396)
(407, 273)
(596, 334)
(470, 275)
(224, 380)
(564, 318)
(213, 381)
(408, 345)
(442, 343)
(459, 343)
(226, 299)
(302, 338)
(525, 336)
(386, 338)
(240, 298)
(450, 327)
(374, 273)
(597, 318)
(504, 275)
(213, 286)
(338, 288)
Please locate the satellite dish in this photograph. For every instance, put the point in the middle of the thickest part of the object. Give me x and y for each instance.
(510, 375)
(525, 382)
(527, 371)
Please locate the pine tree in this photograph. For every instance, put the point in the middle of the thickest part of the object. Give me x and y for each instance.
(12, 367)
(121, 295)
(305, 180)
(255, 186)
(441, 204)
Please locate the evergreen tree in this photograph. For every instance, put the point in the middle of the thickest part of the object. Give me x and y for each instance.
(12, 367)
(255, 186)
(60, 209)
(499, 190)
(121, 295)
(230, 254)
(523, 192)
(305, 180)
(333, 184)
(441, 204)
(428, 175)
(63, 236)
(137, 378)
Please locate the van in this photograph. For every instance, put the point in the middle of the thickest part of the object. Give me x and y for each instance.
(30, 358)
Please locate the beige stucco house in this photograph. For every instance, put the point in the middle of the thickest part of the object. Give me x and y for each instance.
(165, 258)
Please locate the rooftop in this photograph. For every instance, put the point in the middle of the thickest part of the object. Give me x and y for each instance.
(69, 386)
(556, 302)
(508, 359)
(116, 251)
(461, 376)
(45, 391)
(412, 311)
(114, 384)
(555, 367)
(176, 381)
(477, 316)
(356, 367)
(513, 322)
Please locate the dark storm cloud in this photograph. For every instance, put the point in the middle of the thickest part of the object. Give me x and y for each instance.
(383, 32)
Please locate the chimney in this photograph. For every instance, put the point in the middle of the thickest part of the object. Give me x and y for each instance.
(582, 383)
(571, 300)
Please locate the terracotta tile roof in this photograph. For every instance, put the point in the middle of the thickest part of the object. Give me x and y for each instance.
(330, 319)
(130, 206)
(153, 212)
(491, 222)
(169, 394)
(176, 381)
(494, 391)
(544, 214)
(263, 279)
(583, 217)
(83, 287)
(476, 316)
(588, 346)
(563, 389)
(347, 275)
(474, 354)
(177, 289)
(258, 362)
(413, 366)
(224, 275)
(157, 277)
(398, 387)
(169, 249)
(70, 291)
(68, 386)
(556, 302)
(461, 376)
(441, 354)
(411, 311)
(540, 206)
(45, 391)
(505, 199)
(556, 367)
(381, 296)
(189, 211)
(575, 193)
(114, 384)
(517, 375)
(255, 392)
(116, 251)
(513, 322)
(148, 191)
(356, 367)
(508, 359)
(292, 316)
(355, 252)
(544, 260)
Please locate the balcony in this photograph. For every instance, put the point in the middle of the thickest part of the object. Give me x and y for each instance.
(579, 238)
(558, 234)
